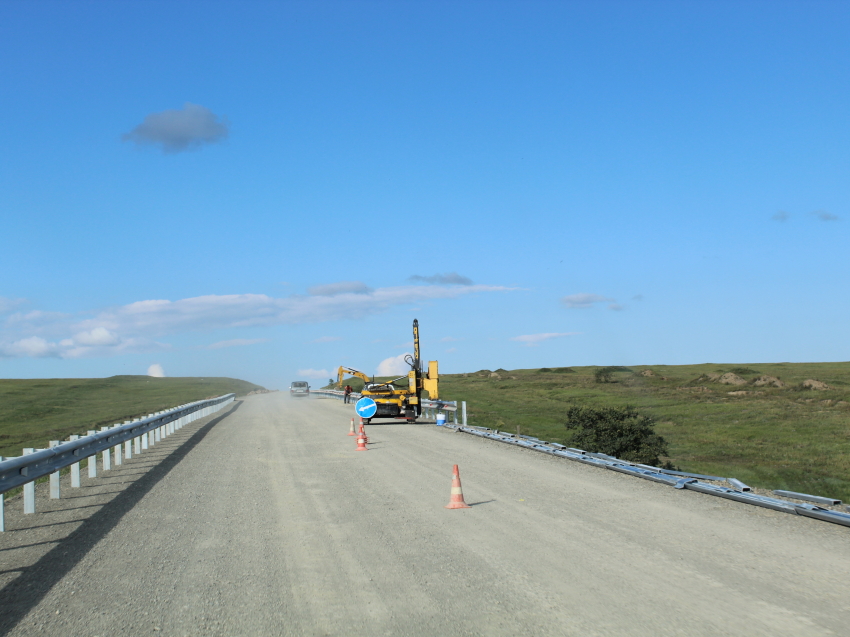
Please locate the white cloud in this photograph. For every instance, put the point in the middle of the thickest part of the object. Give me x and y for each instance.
(342, 287)
(584, 300)
(237, 342)
(157, 317)
(99, 336)
(393, 366)
(97, 344)
(313, 373)
(7, 305)
(135, 327)
(177, 130)
(327, 339)
(32, 347)
(156, 371)
(450, 278)
(35, 319)
(532, 340)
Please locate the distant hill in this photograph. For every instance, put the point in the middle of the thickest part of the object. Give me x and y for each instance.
(34, 411)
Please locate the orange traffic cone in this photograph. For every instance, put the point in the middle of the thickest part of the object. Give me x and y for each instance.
(456, 500)
(361, 444)
(351, 431)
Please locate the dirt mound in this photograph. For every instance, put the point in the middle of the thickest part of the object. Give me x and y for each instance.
(768, 381)
(647, 372)
(731, 379)
(818, 385)
(495, 375)
(737, 393)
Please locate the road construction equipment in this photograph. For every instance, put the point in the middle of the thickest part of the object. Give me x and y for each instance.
(394, 401)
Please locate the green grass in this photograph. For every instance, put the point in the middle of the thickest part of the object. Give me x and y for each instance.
(786, 438)
(33, 412)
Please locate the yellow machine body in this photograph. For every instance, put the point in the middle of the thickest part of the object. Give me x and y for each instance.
(395, 401)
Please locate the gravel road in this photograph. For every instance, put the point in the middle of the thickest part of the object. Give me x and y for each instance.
(264, 520)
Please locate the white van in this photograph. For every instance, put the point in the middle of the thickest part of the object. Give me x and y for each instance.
(299, 388)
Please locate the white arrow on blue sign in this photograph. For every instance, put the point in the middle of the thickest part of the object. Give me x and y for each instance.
(366, 407)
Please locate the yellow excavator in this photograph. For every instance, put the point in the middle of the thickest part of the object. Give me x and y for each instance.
(396, 401)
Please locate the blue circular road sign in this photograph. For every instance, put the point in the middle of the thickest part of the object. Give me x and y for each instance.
(366, 407)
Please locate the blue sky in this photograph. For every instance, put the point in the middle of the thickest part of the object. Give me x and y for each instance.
(260, 189)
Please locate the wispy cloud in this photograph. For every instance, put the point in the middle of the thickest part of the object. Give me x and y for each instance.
(584, 300)
(532, 340)
(175, 130)
(327, 339)
(450, 278)
(342, 287)
(237, 342)
(823, 215)
(81, 345)
(7, 305)
(134, 327)
(314, 373)
(451, 349)
(616, 307)
(781, 216)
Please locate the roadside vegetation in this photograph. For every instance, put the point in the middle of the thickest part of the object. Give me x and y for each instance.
(32, 412)
(775, 426)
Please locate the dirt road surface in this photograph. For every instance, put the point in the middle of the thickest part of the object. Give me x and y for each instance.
(264, 520)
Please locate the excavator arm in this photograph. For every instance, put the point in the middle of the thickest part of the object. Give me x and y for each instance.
(342, 371)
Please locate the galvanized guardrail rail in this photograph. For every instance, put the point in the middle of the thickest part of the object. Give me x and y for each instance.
(119, 441)
(737, 490)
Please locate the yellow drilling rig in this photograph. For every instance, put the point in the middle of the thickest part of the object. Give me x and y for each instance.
(395, 401)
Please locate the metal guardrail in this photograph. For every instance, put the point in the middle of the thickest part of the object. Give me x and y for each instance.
(124, 440)
(676, 479)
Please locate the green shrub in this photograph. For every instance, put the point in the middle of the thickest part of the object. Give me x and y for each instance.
(743, 370)
(564, 370)
(544, 370)
(603, 375)
(617, 431)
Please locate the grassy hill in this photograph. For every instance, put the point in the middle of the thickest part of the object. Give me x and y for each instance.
(788, 437)
(32, 412)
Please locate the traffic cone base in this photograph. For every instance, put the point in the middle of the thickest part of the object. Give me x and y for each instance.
(456, 500)
(361, 444)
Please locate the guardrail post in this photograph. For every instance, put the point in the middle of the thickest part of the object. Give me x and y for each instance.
(92, 458)
(75, 468)
(117, 448)
(2, 508)
(54, 477)
(156, 435)
(128, 445)
(464, 413)
(137, 445)
(29, 489)
(107, 455)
